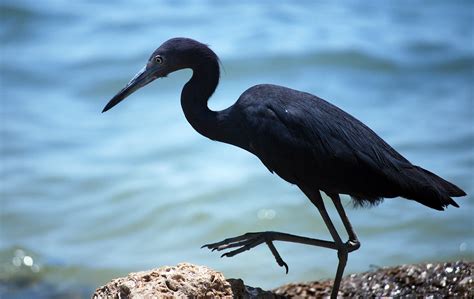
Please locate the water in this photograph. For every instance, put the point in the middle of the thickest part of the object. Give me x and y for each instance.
(86, 197)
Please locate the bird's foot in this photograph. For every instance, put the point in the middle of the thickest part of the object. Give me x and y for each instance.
(246, 242)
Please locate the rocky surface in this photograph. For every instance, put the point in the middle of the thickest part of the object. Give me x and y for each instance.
(434, 280)
(184, 280)
(430, 280)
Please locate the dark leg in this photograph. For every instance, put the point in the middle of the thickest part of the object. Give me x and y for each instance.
(342, 249)
(353, 243)
(249, 240)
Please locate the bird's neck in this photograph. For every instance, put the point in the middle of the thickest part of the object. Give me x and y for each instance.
(194, 98)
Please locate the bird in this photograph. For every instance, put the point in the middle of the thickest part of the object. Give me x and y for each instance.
(300, 137)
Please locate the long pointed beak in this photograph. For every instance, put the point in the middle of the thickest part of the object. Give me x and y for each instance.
(142, 78)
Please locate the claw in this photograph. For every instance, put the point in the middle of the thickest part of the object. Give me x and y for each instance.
(286, 267)
(246, 242)
(277, 255)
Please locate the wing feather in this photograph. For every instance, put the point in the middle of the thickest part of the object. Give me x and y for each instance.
(310, 142)
(305, 139)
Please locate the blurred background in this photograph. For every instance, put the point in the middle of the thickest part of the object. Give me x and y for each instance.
(86, 197)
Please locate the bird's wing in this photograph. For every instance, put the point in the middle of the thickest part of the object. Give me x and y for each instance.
(309, 141)
(299, 132)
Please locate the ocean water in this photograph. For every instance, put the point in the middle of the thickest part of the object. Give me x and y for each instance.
(86, 197)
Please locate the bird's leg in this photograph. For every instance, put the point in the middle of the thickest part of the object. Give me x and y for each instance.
(342, 249)
(250, 240)
(353, 242)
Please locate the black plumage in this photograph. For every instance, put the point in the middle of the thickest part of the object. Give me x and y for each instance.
(300, 137)
(308, 141)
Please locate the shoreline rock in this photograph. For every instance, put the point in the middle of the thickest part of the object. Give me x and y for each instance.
(435, 280)
(438, 280)
(183, 280)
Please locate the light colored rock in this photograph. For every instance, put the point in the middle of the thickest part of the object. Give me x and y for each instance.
(184, 280)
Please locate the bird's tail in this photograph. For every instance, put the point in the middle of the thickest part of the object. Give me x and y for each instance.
(432, 190)
(449, 188)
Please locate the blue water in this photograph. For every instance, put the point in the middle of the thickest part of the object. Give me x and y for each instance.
(86, 197)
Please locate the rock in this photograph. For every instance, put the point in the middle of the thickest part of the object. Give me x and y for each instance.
(433, 280)
(183, 280)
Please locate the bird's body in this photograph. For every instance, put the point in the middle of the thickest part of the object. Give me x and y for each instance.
(302, 138)
(308, 141)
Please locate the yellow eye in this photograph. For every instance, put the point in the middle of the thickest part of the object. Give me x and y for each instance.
(158, 59)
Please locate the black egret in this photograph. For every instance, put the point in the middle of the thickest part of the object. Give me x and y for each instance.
(300, 137)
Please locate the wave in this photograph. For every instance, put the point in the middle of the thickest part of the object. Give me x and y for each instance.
(354, 59)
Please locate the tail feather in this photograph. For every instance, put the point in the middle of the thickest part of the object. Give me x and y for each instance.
(429, 189)
(449, 188)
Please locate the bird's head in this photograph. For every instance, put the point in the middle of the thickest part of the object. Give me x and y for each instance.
(172, 55)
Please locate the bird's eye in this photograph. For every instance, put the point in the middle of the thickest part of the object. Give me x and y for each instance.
(158, 59)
